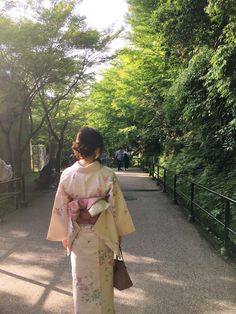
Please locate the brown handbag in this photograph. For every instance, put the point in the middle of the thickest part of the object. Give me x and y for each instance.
(121, 276)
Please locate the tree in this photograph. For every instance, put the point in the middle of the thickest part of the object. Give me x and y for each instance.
(45, 60)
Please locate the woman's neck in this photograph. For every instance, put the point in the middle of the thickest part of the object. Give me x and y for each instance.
(86, 161)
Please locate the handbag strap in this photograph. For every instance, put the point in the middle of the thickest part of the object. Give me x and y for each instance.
(121, 254)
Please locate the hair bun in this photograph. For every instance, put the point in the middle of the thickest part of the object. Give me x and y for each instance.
(88, 140)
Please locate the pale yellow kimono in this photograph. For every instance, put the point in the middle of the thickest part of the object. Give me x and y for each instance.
(92, 246)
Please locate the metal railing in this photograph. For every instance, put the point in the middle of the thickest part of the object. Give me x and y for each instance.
(190, 194)
(13, 189)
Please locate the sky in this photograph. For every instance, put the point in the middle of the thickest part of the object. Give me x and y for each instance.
(102, 14)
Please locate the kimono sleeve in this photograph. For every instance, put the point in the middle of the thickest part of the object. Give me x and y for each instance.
(122, 217)
(58, 227)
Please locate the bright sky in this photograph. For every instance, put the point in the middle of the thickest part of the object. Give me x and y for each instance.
(104, 13)
(100, 14)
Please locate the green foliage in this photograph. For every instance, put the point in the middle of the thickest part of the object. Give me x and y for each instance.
(183, 25)
(180, 76)
(112, 106)
(45, 61)
(173, 94)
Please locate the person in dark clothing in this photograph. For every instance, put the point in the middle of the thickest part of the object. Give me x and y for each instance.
(126, 160)
(119, 157)
(47, 176)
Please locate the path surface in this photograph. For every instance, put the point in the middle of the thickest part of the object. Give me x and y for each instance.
(173, 269)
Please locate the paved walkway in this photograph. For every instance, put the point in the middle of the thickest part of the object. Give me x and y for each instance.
(173, 269)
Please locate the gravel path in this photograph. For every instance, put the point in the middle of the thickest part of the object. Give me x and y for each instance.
(173, 268)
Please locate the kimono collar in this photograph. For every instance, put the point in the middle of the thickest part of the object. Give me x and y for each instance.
(90, 168)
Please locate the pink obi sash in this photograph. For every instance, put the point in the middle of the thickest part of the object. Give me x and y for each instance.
(83, 210)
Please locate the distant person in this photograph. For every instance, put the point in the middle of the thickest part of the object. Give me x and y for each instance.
(6, 172)
(47, 176)
(119, 157)
(126, 159)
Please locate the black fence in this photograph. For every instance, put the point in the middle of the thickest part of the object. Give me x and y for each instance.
(214, 211)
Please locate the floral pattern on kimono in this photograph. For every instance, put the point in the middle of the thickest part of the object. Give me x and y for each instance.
(92, 248)
(76, 184)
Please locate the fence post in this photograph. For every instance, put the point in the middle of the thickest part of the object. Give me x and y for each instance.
(23, 197)
(164, 187)
(225, 248)
(191, 217)
(175, 186)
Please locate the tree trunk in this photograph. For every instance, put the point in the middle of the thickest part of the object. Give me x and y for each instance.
(58, 157)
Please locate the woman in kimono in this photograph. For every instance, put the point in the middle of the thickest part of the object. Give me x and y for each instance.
(90, 216)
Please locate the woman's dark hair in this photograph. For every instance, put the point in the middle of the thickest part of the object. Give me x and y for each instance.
(87, 141)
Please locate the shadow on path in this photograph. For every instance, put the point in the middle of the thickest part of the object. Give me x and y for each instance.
(173, 269)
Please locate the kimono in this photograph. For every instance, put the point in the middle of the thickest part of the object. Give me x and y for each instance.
(91, 247)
